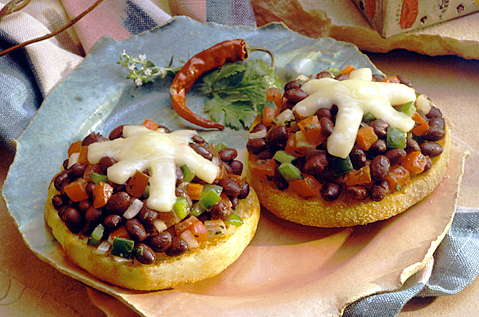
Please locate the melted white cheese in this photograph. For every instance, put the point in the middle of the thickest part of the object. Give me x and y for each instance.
(354, 98)
(141, 148)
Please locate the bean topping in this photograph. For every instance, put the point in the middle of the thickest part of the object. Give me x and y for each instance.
(379, 167)
(396, 156)
(357, 192)
(118, 203)
(135, 229)
(434, 134)
(256, 146)
(228, 154)
(330, 191)
(144, 254)
(431, 149)
(160, 242)
(177, 248)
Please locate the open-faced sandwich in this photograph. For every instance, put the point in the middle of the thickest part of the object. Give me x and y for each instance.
(344, 148)
(150, 208)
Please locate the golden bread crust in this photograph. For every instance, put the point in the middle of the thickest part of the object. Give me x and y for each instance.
(193, 266)
(344, 211)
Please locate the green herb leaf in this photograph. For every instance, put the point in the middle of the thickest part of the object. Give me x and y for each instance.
(235, 115)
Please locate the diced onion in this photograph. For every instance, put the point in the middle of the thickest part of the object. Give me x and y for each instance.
(215, 228)
(160, 225)
(284, 117)
(190, 240)
(73, 159)
(231, 230)
(120, 259)
(215, 160)
(423, 104)
(258, 135)
(134, 209)
(103, 247)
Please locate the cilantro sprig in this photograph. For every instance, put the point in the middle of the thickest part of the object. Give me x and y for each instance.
(237, 92)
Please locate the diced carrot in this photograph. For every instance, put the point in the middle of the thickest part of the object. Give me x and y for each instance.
(358, 177)
(237, 178)
(74, 148)
(347, 70)
(421, 125)
(222, 173)
(76, 190)
(101, 194)
(303, 145)
(274, 94)
(119, 232)
(269, 114)
(414, 162)
(290, 147)
(83, 157)
(397, 177)
(136, 185)
(366, 137)
(392, 79)
(168, 217)
(306, 187)
(199, 231)
(194, 191)
(264, 168)
(151, 125)
(311, 128)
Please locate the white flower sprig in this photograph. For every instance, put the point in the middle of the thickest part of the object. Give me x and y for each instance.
(142, 71)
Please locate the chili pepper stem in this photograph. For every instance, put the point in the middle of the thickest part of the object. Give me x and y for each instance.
(251, 49)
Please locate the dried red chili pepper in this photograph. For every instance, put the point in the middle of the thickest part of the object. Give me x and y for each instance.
(216, 56)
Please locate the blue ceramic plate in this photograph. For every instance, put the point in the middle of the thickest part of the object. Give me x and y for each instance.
(97, 97)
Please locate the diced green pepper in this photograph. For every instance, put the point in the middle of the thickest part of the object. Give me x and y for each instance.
(188, 174)
(181, 207)
(234, 220)
(95, 237)
(210, 195)
(197, 209)
(408, 108)
(122, 247)
(283, 157)
(396, 138)
(289, 172)
(334, 71)
(97, 178)
(218, 147)
(368, 117)
(341, 166)
(146, 193)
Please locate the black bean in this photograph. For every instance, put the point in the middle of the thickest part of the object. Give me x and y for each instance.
(92, 138)
(135, 229)
(234, 202)
(277, 137)
(198, 139)
(259, 127)
(293, 84)
(72, 219)
(111, 222)
(177, 248)
(428, 164)
(358, 157)
(379, 77)
(116, 133)
(60, 179)
(228, 154)
(202, 150)
(433, 113)
(106, 162)
(118, 203)
(431, 149)
(380, 128)
(437, 122)
(65, 164)
(412, 146)
(324, 74)
(295, 95)
(380, 146)
(221, 210)
(76, 170)
(330, 191)
(89, 189)
(323, 112)
(160, 242)
(228, 168)
(230, 187)
(396, 156)
(357, 192)
(144, 254)
(342, 77)
(256, 146)
(237, 167)
(84, 205)
(379, 191)
(434, 134)
(327, 126)
(266, 154)
(57, 201)
(164, 128)
(147, 217)
(316, 165)
(379, 167)
(404, 80)
(93, 214)
(244, 191)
